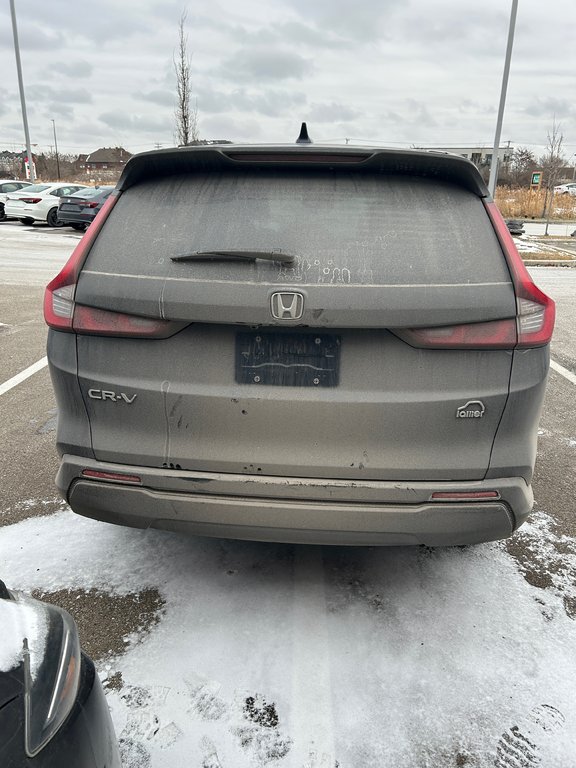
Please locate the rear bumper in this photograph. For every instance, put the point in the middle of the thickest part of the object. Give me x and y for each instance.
(26, 212)
(298, 510)
(67, 217)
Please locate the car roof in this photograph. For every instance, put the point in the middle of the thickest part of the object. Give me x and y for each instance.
(425, 163)
(56, 184)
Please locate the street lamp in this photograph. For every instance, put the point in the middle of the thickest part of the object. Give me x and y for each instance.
(21, 86)
(495, 155)
(56, 147)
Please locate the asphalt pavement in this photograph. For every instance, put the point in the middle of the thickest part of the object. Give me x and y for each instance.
(334, 583)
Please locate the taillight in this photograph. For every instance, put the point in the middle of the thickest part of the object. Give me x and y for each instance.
(536, 311)
(31, 199)
(63, 314)
(497, 334)
(88, 204)
(59, 294)
(101, 322)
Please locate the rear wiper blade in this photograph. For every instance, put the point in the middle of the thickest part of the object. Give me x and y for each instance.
(236, 255)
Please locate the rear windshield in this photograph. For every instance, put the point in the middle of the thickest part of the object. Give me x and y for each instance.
(35, 188)
(90, 192)
(344, 227)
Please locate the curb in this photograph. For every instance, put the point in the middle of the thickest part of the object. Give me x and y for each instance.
(550, 262)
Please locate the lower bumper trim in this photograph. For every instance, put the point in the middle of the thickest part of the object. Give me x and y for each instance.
(299, 522)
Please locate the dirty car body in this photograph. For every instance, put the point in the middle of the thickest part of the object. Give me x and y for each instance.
(300, 343)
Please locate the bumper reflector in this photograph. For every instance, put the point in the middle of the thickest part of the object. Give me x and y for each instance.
(118, 477)
(464, 496)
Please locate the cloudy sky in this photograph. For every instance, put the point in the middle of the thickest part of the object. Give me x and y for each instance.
(392, 72)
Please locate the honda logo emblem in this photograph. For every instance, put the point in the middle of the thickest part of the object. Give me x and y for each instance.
(287, 305)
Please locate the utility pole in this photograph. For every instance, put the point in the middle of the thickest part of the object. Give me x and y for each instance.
(495, 154)
(22, 99)
(56, 148)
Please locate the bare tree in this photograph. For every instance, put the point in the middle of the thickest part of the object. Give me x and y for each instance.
(186, 114)
(552, 161)
(522, 165)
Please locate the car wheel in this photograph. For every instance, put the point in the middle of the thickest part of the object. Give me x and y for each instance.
(27, 221)
(79, 227)
(2, 212)
(52, 218)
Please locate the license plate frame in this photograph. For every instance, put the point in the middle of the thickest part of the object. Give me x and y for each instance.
(287, 359)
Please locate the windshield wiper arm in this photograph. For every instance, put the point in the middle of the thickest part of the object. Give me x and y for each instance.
(236, 255)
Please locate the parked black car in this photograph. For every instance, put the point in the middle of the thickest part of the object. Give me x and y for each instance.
(78, 210)
(52, 707)
(515, 227)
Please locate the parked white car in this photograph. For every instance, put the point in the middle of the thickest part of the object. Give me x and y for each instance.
(566, 189)
(39, 202)
(6, 186)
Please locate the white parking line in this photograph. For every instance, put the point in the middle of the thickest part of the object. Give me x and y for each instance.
(35, 367)
(563, 371)
(20, 377)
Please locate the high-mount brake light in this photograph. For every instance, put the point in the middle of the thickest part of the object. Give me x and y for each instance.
(536, 311)
(298, 157)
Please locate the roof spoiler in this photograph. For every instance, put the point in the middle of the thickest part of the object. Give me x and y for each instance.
(442, 166)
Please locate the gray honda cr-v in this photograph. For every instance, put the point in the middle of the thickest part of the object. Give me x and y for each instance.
(300, 343)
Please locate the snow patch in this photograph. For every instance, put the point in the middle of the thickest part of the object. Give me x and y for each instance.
(20, 619)
(429, 657)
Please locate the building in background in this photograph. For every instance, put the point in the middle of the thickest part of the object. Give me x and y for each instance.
(105, 164)
(480, 156)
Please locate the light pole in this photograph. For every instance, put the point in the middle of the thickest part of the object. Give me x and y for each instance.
(495, 154)
(56, 148)
(22, 99)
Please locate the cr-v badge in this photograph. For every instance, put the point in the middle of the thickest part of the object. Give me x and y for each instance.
(473, 409)
(115, 397)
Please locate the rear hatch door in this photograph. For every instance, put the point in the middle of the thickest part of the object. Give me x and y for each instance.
(298, 367)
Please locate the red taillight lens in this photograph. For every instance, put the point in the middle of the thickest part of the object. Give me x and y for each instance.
(536, 311)
(59, 294)
(31, 199)
(63, 314)
(100, 322)
(499, 334)
(88, 204)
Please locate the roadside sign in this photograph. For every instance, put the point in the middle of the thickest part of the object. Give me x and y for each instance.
(27, 167)
(536, 180)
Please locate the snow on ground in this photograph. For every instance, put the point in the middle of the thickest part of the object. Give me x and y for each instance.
(316, 657)
(528, 245)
